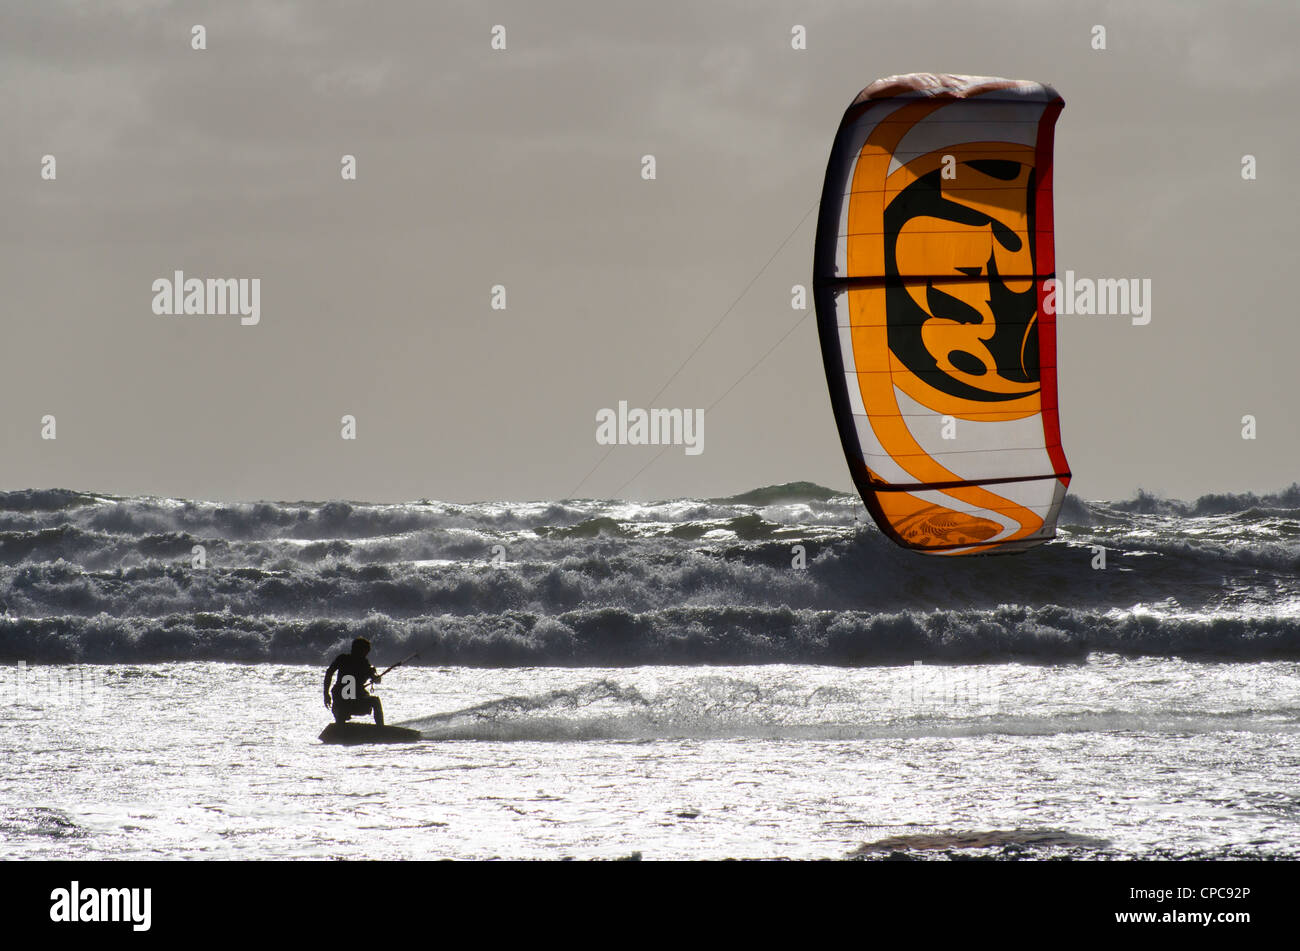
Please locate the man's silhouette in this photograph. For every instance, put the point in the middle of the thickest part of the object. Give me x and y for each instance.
(349, 698)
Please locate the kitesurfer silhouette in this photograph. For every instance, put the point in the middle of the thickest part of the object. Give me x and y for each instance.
(348, 697)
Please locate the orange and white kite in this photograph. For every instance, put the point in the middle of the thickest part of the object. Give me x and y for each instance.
(934, 253)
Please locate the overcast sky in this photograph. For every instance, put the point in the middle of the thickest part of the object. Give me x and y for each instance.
(523, 168)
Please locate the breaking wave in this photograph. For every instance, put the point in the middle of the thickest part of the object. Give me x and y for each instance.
(788, 574)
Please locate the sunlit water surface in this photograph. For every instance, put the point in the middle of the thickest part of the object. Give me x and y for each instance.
(1114, 757)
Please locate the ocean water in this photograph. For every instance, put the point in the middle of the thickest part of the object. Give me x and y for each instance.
(764, 676)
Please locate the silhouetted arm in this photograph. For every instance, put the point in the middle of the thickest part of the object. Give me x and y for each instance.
(329, 675)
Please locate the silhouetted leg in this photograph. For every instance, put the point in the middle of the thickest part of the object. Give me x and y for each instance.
(379, 711)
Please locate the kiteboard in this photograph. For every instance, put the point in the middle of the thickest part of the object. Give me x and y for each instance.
(352, 734)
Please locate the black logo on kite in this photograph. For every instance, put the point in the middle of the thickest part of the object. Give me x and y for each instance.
(1012, 348)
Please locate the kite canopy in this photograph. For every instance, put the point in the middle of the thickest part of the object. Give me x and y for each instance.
(934, 249)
